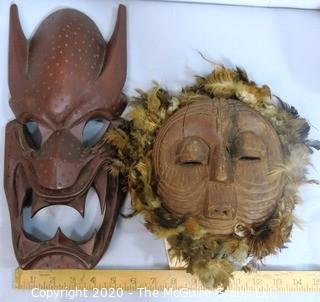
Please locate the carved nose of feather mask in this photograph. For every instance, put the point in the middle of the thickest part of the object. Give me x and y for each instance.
(220, 166)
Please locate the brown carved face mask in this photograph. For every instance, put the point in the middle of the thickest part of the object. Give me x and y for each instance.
(212, 160)
(65, 86)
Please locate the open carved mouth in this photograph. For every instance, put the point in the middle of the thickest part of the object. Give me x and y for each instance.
(64, 231)
(78, 224)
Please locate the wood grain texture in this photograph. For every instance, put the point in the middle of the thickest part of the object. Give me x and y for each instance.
(212, 160)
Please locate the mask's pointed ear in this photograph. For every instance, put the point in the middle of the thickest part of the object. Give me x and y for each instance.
(113, 74)
(18, 52)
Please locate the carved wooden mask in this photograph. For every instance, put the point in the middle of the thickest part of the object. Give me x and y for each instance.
(212, 159)
(65, 86)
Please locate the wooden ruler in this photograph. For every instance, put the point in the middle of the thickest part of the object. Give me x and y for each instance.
(131, 280)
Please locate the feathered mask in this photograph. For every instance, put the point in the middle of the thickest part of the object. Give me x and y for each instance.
(215, 171)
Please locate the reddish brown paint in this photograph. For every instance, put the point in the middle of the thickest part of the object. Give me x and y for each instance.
(60, 78)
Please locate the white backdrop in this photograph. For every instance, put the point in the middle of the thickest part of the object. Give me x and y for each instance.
(278, 47)
(305, 4)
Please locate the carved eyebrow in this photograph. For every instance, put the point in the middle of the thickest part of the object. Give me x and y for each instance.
(247, 136)
(88, 115)
(248, 141)
(45, 121)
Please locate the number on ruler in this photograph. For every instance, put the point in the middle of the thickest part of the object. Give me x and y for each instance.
(257, 282)
(297, 282)
(93, 280)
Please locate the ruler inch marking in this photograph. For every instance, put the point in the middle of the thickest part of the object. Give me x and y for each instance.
(131, 280)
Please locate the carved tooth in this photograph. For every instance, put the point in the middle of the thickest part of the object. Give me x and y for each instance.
(60, 238)
(55, 239)
(37, 204)
(88, 246)
(79, 205)
(100, 185)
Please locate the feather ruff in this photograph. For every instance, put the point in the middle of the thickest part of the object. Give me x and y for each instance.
(211, 258)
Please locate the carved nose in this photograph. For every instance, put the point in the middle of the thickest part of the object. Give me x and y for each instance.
(59, 163)
(220, 167)
(56, 174)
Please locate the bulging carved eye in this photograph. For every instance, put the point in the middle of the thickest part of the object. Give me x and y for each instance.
(192, 151)
(93, 131)
(33, 135)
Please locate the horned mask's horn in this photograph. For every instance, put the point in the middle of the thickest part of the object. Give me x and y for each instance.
(18, 52)
(115, 67)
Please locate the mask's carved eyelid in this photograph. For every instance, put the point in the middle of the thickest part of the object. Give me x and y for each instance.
(33, 134)
(191, 163)
(93, 131)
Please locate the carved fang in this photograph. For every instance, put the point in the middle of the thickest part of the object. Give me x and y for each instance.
(79, 205)
(37, 204)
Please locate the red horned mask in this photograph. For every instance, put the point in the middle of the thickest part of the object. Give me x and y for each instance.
(65, 84)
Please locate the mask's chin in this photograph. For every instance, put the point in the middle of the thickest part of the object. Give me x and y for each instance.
(65, 232)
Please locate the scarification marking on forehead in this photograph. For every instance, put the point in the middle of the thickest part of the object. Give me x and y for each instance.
(233, 121)
(217, 116)
(230, 107)
(184, 120)
(221, 111)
